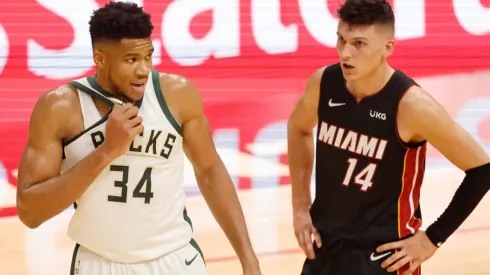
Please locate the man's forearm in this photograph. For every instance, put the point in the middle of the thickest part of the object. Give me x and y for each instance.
(300, 158)
(467, 197)
(42, 201)
(220, 195)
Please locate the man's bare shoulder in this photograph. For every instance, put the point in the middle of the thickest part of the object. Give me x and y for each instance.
(311, 93)
(60, 98)
(416, 100)
(316, 76)
(426, 119)
(178, 89)
(175, 83)
(59, 110)
(419, 114)
(313, 84)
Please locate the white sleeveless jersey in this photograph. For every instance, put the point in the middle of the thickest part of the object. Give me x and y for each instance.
(135, 209)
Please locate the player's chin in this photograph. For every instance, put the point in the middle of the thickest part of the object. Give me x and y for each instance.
(350, 76)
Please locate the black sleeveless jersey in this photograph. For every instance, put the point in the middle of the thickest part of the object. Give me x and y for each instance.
(367, 179)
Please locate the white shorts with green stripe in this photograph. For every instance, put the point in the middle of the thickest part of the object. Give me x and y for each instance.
(187, 260)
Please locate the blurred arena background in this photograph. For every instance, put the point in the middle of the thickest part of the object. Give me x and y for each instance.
(250, 60)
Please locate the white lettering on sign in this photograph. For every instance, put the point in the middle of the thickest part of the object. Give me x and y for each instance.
(4, 48)
(410, 18)
(319, 22)
(472, 16)
(223, 40)
(74, 60)
(226, 35)
(270, 34)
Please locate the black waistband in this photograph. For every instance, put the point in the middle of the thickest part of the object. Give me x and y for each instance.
(332, 244)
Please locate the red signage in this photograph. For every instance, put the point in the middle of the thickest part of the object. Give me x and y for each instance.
(250, 59)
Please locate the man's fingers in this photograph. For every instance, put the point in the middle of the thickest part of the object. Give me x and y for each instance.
(131, 112)
(390, 246)
(393, 258)
(308, 244)
(122, 108)
(137, 130)
(401, 263)
(301, 241)
(317, 238)
(413, 268)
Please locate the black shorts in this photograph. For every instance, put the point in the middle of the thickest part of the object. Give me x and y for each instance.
(337, 257)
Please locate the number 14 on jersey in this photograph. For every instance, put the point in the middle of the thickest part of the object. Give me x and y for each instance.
(363, 178)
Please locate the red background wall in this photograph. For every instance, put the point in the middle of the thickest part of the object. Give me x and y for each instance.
(242, 73)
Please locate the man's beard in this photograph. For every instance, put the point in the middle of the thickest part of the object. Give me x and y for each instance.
(119, 94)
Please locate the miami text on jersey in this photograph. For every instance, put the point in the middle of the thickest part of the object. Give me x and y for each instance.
(354, 142)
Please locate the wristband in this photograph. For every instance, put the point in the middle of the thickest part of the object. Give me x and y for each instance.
(433, 238)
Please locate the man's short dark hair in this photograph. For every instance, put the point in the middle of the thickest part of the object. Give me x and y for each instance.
(366, 12)
(119, 20)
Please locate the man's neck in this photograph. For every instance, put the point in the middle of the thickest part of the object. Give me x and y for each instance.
(370, 84)
(103, 83)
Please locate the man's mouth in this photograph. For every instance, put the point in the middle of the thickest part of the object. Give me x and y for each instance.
(347, 66)
(139, 84)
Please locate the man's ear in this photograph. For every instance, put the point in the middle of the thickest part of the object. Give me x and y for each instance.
(99, 59)
(389, 48)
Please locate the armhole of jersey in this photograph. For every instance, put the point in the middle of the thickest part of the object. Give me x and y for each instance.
(322, 85)
(163, 104)
(102, 120)
(407, 145)
(82, 88)
(327, 71)
(91, 93)
(74, 259)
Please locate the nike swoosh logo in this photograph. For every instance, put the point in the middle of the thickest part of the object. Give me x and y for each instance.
(331, 104)
(375, 258)
(188, 263)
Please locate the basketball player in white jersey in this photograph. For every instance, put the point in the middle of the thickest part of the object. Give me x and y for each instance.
(113, 145)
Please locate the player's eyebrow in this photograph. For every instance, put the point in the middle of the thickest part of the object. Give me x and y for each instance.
(355, 38)
(136, 54)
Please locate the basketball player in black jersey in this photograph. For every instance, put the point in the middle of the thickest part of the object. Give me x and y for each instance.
(373, 125)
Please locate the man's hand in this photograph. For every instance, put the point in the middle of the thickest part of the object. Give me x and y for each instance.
(123, 125)
(303, 230)
(413, 251)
